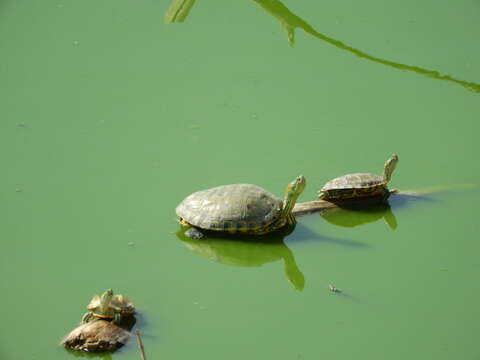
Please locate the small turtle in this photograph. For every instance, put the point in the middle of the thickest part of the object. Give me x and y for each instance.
(239, 208)
(360, 184)
(108, 306)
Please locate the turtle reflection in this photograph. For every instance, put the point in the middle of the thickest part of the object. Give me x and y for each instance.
(178, 11)
(351, 215)
(243, 252)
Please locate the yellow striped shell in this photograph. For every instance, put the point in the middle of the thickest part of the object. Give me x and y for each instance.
(360, 184)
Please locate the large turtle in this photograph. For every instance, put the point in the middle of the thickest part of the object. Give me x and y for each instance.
(108, 306)
(360, 184)
(239, 208)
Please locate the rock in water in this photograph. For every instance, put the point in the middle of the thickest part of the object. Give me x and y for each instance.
(96, 336)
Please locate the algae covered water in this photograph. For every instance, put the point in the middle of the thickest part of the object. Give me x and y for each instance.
(114, 111)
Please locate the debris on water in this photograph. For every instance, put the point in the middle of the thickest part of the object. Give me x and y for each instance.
(200, 306)
(96, 336)
(21, 124)
(141, 348)
(334, 289)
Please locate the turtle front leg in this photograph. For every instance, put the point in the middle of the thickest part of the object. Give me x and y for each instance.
(291, 219)
(386, 194)
(87, 317)
(117, 318)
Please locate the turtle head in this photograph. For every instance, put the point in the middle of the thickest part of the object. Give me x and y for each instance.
(106, 297)
(292, 192)
(388, 167)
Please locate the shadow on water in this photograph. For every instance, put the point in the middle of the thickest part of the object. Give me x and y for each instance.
(179, 10)
(304, 234)
(243, 251)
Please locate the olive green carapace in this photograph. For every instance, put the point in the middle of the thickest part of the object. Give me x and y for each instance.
(360, 184)
(240, 208)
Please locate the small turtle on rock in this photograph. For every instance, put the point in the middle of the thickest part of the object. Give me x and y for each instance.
(108, 306)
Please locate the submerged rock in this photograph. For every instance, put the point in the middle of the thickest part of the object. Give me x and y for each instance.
(96, 336)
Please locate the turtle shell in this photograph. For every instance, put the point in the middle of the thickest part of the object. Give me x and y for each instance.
(118, 304)
(353, 185)
(232, 208)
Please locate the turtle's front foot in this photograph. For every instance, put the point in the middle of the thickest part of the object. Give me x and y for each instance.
(291, 220)
(194, 233)
(386, 194)
(117, 318)
(87, 317)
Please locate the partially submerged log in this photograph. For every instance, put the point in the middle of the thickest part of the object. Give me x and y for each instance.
(323, 205)
(395, 196)
(96, 336)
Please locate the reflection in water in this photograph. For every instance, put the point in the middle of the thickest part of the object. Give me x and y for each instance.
(179, 9)
(90, 355)
(355, 215)
(290, 21)
(240, 251)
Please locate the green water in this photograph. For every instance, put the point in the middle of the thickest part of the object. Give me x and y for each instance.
(112, 112)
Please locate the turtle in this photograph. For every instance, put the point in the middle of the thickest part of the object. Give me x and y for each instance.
(238, 208)
(359, 185)
(108, 306)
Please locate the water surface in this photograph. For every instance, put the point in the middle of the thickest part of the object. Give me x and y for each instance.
(114, 111)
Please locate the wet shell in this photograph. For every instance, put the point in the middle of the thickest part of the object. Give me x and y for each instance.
(118, 304)
(354, 185)
(232, 208)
